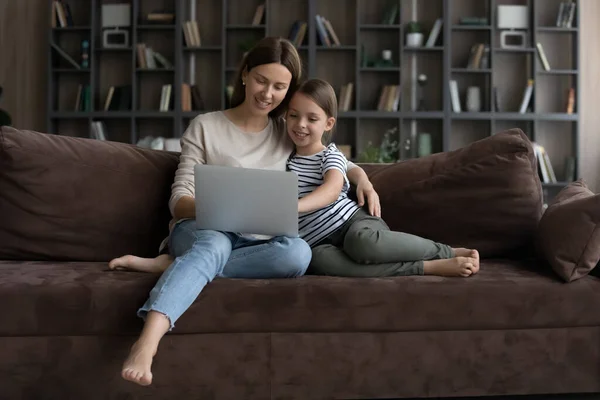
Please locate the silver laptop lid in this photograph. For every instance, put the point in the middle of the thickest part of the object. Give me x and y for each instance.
(246, 200)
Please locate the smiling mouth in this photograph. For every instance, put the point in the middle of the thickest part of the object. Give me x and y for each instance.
(262, 104)
(300, 134)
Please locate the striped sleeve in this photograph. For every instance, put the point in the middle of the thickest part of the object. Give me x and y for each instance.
(334, 159)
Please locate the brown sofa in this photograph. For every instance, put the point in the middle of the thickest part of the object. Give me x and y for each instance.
(69, 205)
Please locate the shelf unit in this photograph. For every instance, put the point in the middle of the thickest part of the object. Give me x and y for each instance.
(225, 25)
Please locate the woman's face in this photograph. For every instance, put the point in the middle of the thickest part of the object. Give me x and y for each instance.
(266, 87)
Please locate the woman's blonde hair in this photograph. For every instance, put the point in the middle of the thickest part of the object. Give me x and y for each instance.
(269, 50)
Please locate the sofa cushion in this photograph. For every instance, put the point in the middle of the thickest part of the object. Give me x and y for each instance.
(65, 198)
(486, 195)
(569, 232)
(87, 299)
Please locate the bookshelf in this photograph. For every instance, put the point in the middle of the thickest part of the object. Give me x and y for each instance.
(364, 30)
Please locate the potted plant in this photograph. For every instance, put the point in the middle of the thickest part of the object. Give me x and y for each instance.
(414, 36)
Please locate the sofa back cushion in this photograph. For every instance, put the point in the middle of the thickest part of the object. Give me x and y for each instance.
(65, 198)
(486, 195)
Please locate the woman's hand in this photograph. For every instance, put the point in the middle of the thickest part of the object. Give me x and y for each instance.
(365, 189)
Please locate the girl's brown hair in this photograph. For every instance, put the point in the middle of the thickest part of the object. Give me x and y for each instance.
(322, 93)
(269, 50)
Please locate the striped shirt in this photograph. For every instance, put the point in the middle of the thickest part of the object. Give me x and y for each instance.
(317, 225)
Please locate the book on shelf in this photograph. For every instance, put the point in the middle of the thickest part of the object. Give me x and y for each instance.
(98, 130)
(570, 101)
(389, 98)
(61, 15)
(390, 15)
(542, 55)
(160, 17)
(191, 34)
(165, 97)
(454, 96)
(83, 99)
(435, 33)
(566, 14)
(147, 58)
(495, 99)
(527, 93)
(325, 33)
(258, 14)
(345, 98)
(544, 165)
(118, 98)
(191, 99)
(479, 56)
(298, 33)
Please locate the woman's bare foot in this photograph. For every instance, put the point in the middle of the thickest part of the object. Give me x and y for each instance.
(458, 266)
(462, 252)
(152, 265)
(137, 365)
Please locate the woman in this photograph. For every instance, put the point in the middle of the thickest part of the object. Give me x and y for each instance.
(251, 134)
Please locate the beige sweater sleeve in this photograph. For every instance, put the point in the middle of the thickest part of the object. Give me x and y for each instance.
(192, 153)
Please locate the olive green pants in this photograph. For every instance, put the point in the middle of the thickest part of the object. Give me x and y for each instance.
(366, 247)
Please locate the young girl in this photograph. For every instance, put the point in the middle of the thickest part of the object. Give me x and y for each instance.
(347, 241)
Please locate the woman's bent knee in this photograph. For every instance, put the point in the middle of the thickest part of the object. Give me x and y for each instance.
(296, 256)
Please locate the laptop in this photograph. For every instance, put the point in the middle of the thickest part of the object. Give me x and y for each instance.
(245, 200)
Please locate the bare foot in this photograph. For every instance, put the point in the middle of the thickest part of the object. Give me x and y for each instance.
(458, 266)
(137, 365)
(474, 254)
(152, 265)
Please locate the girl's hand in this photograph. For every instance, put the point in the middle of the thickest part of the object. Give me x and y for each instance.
(365, 189)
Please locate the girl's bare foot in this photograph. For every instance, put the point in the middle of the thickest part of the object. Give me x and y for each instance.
(152, 265)
(137, 366)
(454, 267)
(474, 254)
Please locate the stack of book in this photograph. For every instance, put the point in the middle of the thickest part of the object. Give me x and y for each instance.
(566, 14)
(389, 99)
(325, 33)
(165, 97)
(345, 98)
(147, 58)
(61, 15)
(298, 33)
(191, 34)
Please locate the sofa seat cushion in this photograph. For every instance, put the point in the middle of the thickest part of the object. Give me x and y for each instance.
(85, 298)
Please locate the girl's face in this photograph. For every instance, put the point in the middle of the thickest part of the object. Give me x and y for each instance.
(266, 86)
(306, 122)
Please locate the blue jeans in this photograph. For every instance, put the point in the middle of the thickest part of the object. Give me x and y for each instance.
(201, 255)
